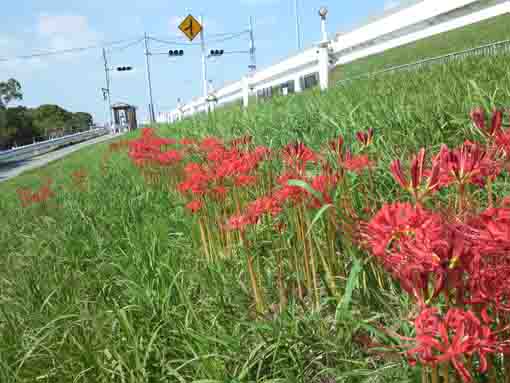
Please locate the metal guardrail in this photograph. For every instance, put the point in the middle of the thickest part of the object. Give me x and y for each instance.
(29, 151)
(483, 50)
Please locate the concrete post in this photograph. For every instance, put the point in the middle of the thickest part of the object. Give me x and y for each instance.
(297, 85)
(323, 58)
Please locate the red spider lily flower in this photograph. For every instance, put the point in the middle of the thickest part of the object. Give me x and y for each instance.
(239, 222)
(287, 192)
(253, 213)
(324, 184)
(264, 205)
(195, 206)
(261, 152)
(503, 142)
(398, 222)
(492, 230)
(210, 143)
(193, 168)
(245, 180)
(25, 196)
(357, 163)
(147, 132)
(43, 194)
(453, 338)
(219, 154)
(416, 185)
(169, 157)
(464, 165)
(365, 138)
(297, 156)
(409, 241)
(479, 120)
(197, 179)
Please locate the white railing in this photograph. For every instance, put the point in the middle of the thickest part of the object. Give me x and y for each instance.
(29, 151)
(418, 21)
(500, 47)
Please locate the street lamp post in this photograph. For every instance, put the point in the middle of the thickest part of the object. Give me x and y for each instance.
(323, 12)
(323, 52)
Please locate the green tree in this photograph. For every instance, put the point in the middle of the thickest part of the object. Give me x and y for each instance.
(51, 119)
(81, 121)
(10, 90)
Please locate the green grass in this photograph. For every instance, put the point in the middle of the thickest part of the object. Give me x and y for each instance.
(107, 287)
(471, 36)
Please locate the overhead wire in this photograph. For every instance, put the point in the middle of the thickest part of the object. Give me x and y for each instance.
(64, 51)
(123, 48)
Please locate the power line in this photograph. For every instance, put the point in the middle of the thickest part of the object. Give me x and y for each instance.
(226, 37)
(64, 51)
(123, 48)
(167, 42)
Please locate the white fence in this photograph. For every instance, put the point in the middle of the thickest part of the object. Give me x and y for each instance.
(418, 21)
(500, 47)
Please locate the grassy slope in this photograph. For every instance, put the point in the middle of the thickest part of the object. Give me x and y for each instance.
(107, 288)
(484, 32)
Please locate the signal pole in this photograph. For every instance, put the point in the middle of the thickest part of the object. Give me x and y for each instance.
(107, 75)
(253, 60)
(147, 54)
(204, 58)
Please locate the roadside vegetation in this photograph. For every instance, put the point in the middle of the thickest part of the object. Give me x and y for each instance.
(471, 36)
(309, 239)
(22, 126)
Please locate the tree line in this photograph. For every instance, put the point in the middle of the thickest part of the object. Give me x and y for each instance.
(21, 126)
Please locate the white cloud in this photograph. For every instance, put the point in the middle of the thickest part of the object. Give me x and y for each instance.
(390, 4)
(65, 31)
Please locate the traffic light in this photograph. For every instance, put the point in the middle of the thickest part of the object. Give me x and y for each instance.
(217, 52)
(176, 52)
(123, 68)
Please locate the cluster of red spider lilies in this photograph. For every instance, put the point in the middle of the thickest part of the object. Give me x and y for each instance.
(45, 193)
(293, 212)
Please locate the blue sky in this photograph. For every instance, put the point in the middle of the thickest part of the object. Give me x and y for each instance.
(74, 81)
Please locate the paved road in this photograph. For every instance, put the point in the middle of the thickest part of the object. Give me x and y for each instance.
(14, 169)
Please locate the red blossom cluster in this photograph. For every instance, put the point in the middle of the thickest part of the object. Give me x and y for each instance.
(453, 258)
(464, 256)
(147, 150)
(41, 195)
(453, 337)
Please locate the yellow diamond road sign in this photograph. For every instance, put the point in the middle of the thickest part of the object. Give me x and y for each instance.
(190, 27)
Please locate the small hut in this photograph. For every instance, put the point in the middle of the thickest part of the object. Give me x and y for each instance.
(124, 117)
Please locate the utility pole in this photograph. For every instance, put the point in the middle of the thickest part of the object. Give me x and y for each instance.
(204, 58)
(253, 60)
(147, 54)
(298, 27)
(107, 74)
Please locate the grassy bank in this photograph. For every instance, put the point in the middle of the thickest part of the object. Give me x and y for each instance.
(471, 36)
(105, 283)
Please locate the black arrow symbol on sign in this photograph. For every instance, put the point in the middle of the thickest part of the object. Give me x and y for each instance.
(190, 27)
